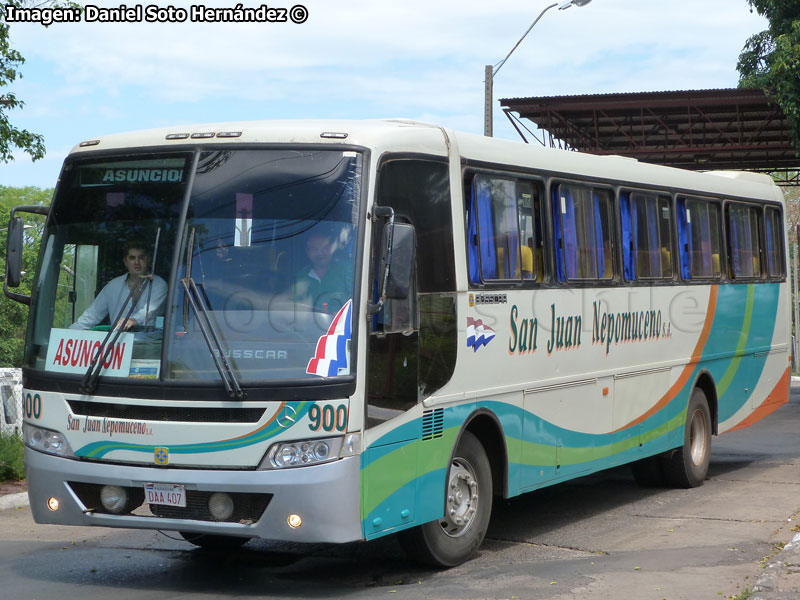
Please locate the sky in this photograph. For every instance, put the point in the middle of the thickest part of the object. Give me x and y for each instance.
(357, 59)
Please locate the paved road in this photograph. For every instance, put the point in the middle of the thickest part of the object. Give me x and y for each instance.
(596, 537)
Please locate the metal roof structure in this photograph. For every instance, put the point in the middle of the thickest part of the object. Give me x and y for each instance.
(700, 130)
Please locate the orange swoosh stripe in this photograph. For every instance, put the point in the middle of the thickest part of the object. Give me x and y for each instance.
(264, 426)
(688, 369)
(776, 398)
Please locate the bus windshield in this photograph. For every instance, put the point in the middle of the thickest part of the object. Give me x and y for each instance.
(254, 249)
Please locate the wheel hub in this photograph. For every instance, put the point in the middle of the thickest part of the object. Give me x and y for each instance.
(462, 499)
(697, 437)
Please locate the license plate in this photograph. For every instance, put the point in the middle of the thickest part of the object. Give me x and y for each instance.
(166, 494)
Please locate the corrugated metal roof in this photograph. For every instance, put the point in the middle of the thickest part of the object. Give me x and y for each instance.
(692, 129)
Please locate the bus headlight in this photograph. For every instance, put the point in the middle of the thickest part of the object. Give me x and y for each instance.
(46, 440)
(302, 453)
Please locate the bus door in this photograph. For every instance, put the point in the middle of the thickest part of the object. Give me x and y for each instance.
(411, 352)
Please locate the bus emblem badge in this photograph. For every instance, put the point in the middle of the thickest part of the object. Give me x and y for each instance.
(288, 417)
(161, 456)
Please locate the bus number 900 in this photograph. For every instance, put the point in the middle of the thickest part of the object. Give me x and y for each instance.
(328, 418)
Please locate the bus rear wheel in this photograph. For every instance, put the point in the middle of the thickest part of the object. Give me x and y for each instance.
(455, 537)
(688, 465)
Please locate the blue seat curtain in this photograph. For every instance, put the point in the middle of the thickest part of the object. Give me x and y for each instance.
(564, 233)
(628, 237)
(486, 239)
(472, 240)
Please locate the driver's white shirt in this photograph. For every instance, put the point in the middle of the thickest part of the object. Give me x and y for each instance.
(111, 299)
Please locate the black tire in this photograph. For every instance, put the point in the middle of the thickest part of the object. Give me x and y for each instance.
(456, 537)
(209, 541)
(688, 465)
(648, 472)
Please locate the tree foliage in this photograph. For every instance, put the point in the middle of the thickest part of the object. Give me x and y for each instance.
(13, 315)
(770, 60)
(10, 62)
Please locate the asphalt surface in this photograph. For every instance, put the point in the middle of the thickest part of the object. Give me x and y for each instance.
(595, 537)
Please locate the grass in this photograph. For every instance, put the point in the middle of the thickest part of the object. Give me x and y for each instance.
(12, 467)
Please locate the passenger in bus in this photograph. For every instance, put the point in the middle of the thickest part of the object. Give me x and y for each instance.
(326, 283)
(145, 290)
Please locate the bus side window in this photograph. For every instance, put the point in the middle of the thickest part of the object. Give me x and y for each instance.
(530, 229)
(744, 243)
(494, 207)
(699, 235)
(582, 219)
(504, 230)
(646, 236)
(774, 243)
(77, 283)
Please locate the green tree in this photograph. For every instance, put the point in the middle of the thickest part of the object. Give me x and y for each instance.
(770, 60)
(13, 315)
(10, 62)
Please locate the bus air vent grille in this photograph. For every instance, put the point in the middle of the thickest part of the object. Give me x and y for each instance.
(432, 424)
(171, 414)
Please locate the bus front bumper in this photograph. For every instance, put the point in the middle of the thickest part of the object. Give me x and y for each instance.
(326, 497)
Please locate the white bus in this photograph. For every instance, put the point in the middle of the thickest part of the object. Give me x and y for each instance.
(334, 331)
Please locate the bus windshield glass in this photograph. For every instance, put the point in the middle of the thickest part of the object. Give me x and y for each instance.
(264, 243)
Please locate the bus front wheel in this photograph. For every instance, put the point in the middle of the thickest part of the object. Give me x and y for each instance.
(455, 537)
(688, 465)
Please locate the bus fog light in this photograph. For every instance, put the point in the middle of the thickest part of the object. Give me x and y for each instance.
(294, 521)
(52, 504)
(114, 498)
(220, 505)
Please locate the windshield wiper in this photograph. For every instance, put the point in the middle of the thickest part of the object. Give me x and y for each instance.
(208, 329)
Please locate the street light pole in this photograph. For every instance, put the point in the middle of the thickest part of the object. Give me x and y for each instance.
(490, 71)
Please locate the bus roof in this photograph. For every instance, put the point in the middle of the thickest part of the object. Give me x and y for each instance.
(403, 135)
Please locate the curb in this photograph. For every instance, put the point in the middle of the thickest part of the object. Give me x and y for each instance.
(14, 501)
(767, 586)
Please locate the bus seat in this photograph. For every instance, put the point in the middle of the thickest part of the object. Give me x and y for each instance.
(666, 260)
(756, 266)
(527, 262)
(715, 268)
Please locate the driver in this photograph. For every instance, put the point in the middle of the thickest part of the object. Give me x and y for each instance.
(325, 282)
(145, 290)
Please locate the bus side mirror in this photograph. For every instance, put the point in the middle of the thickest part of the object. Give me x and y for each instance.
(401, 272)
(14, 252)
(14, 247)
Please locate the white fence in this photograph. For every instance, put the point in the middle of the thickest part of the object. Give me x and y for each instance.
(11, 401)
